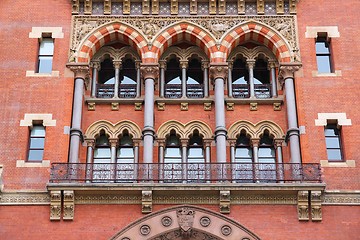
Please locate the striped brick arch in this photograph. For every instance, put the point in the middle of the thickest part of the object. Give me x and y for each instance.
(259, 33)
(108, 33)
(184, 31)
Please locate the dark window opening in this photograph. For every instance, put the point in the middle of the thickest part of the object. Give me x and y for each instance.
(240, 79)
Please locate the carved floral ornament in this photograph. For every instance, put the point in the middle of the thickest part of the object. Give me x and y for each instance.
(216, 28)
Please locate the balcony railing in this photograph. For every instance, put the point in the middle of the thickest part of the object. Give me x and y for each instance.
(105, 90)
(127, 91)
(184, 173)
(241, 90)
(195, 90)
(173, 90)
(263, 90)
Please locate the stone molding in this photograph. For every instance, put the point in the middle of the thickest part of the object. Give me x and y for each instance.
(24, 198)
(330, 164)
(23, 163)
(45, 118)
(312, 31)
(287, 70)
(32, 73)
(113, 130)
(184, 130)
(37, 32)
(340, 118)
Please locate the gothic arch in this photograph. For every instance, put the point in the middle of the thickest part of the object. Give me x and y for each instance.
(184, 54)
(108, 33)
(115, 54)
(181, 221)
(256, 130)
(258, 32)
(184, 130)
(183, 31)
(113, 130)
(252, 54)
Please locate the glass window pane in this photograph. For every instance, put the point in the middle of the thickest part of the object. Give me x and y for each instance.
(38, 131)
(322, 48)
(334, 154)
(35, 155)
(172, 152)
(102, 153)
(37, 143)
(323, 63)
(46, 46)
(243, 153)
(195, 152)
(125, 152)
(266, 152)
(332, 142)
(330, 132)
(45, 64)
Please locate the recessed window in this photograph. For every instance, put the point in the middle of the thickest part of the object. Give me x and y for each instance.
(46, 53)
(333, 143)
(323, 55)
(36, 143)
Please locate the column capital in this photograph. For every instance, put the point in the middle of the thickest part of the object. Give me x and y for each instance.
(230, 64)
(272, 64)
(232, 142)
(81, 70)
(205, 65)
(149, 70)
(255, 142)
(218, 70)
(113, 142)
(184, 142)
(184, 64)
(117, 64)
(250, 63)
(207, 142)
(161, 142)
(137, 142)
(90, 142)
(137, 64)
(278, 142)
(96, 65)
(162, 64)
(287, 70)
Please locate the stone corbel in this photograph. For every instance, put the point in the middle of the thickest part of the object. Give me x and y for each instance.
(260, 7)
(292, 6)
(303, 205)
(253, 106)
(155, 7)
(184, 106)
(225, 201)
(91, 106)
(212, 6)
(55, 205)
(138, 106)
(75, 7)
(68, 205)
(114, 106)
(146, 201)
(287, 70)
(174, 7)
(161, 106)
(207, 106)
(316, 199)
(241, 7)
(230, 106)
(107, 7)
(193, 6)
(222, 7)
(88, 7)
(280, 6)
(126, 7)
(145, 7)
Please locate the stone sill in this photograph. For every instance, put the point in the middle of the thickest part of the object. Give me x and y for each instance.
(347, 163)
(34, 74)
(39, 164)
(122, 101)
(175, 101)
(260, 101)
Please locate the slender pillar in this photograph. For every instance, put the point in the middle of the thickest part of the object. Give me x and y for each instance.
(251, 65)
(184, 161)
(257, 168)
(205, 68)
(232, 150)
(218, 74)
(136, 158)
(184, 66)
(230, 94)
(279, 160)
(113, 143)
(161, 143)
(150, 73)
(138, 79)
(162, 78)
(207, 145)
(287, 75)
(96, 69)
(81, 71)
(273, 79)
(89, 158)
(117, 66)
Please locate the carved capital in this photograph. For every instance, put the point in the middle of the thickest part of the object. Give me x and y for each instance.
(255, 142)
(218, 70)
(232, 142)
(250, 63)
(117, 64)
(278, 142)
(113, 142)
(81, 70)
(55, 205)
(207, 142)
(303, 205)
(316, 199)
(149, 71)
(96, 65)
(225, 201)
(90, 142)
(184, 64)
(161, 142)
(184, 142)
(146, 200)
(287, 70)
(205, 65)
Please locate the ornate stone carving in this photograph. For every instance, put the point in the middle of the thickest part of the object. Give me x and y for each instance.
(193, 6)
(264, 199)
(225, 201)
(145, 230)
(218, 70)
(184, 106)
(91, 106)
(226, 230)
(75, 6)
(55, 205)
(26, 198)
(292, 4)
(287, 70)
(138, 106)
(107, 7)
(87, 6)
(145, 7)
(81, 70)
(68, 205)
(186, 200)
(260, 7)
(126, 7)
(107, 199)
(146, 201)
(212, 6)
(253, 106)
(277, 106)
(303, 205)
(114, 106)
(161, 106)
(230, 106)
(222, 7)
(205, 221)
(166, 221)
(155, 7)
(185, 217)
(241, 6)
(174, 7)
(341, 198)
(316, 199)
(207, 106)
(280, 6)
(149, 71)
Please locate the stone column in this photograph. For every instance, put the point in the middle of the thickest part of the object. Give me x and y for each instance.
(273, 79)
(136, 157)
(81, 72)
(205, 68)
(138, 79)
(117, 66)
(255, 145)
(162, 64)
(287, 76)
(113, 142)
(184, 65)
(251, 65)
(230, 94)
(207, 145)
(150, 73)
(89, 157)
(161, 143)
(232, 143)
(184, 160)
(279, 160)
(218, 74)
(96, 68)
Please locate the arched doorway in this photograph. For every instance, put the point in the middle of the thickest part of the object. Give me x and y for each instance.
(185, 223)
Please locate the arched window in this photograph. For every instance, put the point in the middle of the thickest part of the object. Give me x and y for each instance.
(240, 79)
(102, 158)
(106, 82)
(243, 159)
(266, 156)
(262, 79)
(194, 83)
(172, 158)
(127, 87)
(125, 168)
(195, 159)
(173, 79)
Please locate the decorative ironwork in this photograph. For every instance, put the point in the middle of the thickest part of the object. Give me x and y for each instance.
(241, 90)
(185, 173)
(262, 90)
(127, 91)
(105, 90)
(173, 90)
(195, 90)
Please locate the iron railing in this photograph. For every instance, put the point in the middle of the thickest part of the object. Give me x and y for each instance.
(184, 173)
(127, 91)
(195, 90)
(173, 91)
(105, 90)
(262, 90)
(241, 90)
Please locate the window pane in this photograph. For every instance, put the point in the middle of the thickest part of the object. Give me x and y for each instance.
(126, 152)
(46, 46)
(38, 131)
(172, 152)
(243, 155)
(102, 153)
(195, 152)
(45, 64)
(266, 152)
(37, 143)
(332, 142)
(334, 154)
(321, 48)
(323, 63)
(36, 155)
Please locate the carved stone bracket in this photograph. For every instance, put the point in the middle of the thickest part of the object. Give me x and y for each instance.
(146, 201)
(184, 106)
(55, 205)
(225, 201)
(303, 205)
(68, 205)
(253, 106)
(316, 199)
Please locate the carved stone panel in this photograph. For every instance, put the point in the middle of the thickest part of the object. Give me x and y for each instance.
(55, 205)
(303, 205)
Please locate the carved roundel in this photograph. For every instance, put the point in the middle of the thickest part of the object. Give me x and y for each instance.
(145, 230)
(166, 221)
(205, 221)
(226, 230)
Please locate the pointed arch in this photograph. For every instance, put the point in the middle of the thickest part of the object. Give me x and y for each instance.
(183, 31)
(236, 128)
(184, 130)
(258, 32)
(112, 130)
(108, 33)
(115, 54)
(255, 130)
(165, 221)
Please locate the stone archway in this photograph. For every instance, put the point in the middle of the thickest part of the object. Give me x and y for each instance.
(185, 223)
